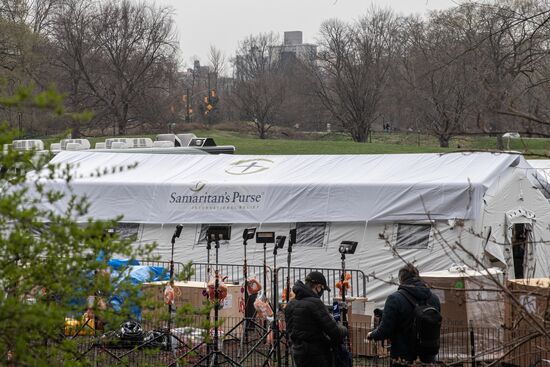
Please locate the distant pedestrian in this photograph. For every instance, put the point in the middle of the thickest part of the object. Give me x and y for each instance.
(411, 320)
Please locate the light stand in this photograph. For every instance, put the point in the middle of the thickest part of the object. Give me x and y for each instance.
(177, 234)
(248, 321)
(265, 238)
(291, 242)
(279, 244)
(346, 247)
(215, 234)
(248, 234)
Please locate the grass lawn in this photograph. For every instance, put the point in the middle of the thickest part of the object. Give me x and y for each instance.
(382, 143)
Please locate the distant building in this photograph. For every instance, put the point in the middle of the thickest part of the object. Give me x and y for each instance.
(293, 47)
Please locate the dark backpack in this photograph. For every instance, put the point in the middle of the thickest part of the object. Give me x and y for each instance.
(426, 325)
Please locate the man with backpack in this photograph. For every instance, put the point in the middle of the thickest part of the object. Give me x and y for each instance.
(411, 320)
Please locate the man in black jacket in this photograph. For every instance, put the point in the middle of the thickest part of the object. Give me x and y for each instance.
(313, 331)
(398, 316)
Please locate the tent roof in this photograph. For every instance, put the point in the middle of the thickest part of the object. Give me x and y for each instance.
(283, 188)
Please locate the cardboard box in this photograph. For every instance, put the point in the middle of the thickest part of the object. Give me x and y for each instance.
(534, 298)
(451, 294)
(360, 311)
(362, 347)
(190, 293)
(360, 319)
(468, 297)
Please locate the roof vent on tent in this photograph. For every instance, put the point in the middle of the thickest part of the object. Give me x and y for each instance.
(55, 147)
(170, 137)
(163, 144)
(100, 145)
(186, 139)
(142, 142)
(202, 142)
(85, 143)
(129, 142)
(74, 146)
(29, 144)
(119, 145)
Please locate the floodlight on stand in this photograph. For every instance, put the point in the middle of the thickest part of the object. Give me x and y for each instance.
(280, 241)
(169, 290)
(177, 232)
(250, 294)
(292, 239)
(265, 237)
(276, 347)
(347, 247)
(248, 233)
(218, 233)
(291, 242)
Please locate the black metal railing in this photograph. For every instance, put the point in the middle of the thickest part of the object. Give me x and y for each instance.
(188, 343)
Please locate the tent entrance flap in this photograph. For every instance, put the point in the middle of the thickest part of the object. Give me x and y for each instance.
(519, 230)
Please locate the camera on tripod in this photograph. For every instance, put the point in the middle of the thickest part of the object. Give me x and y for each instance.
(347, 247)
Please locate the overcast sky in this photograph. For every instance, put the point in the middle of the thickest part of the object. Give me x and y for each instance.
(223, 23)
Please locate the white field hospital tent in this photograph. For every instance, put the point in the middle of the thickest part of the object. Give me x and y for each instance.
(415, 207)
(542, 175)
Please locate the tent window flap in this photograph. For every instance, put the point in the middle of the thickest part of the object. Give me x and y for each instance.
(413, 236)
(311, 234)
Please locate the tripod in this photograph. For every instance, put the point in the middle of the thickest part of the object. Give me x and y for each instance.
(170, 301)
(342, 280)
(291, 241)
(215, 354)
(276, 346)
(346, 247)
(247, 320)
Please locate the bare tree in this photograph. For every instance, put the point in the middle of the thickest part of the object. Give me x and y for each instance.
(504, 42)
(120, 52)
(217, 61)
(442, 86)
(352, 69)
(36, 14)
(259, 88)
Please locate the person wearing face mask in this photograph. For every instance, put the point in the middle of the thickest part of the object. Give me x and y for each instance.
(312, 330)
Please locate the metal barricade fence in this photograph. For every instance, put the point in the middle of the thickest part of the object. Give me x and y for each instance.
(235, 275)
(358, 283)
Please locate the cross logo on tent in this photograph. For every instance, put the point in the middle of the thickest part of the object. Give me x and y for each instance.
(249, 166)
(198, 186)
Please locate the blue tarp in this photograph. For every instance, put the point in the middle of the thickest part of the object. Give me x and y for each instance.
(137, 274)
(118, 263)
